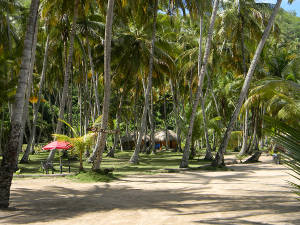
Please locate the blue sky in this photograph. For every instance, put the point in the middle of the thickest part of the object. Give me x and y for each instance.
(295, 6)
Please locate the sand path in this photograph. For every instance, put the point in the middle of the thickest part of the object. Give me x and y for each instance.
(251, 194)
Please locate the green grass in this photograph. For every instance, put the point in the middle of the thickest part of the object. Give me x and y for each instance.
(91, 176)
(148, 164)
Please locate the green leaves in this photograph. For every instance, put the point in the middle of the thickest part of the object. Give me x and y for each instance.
(289, 138)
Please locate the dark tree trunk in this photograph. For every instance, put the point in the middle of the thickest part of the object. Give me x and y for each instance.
(10, 153)
(37, 105)
(254, 158)
(25, 116)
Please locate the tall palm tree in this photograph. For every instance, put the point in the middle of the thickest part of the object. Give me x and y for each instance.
(185, 156)
(36, 106)
(135, 156)
(66, 78)
(219, 159)
(107, 88)
(10, 153)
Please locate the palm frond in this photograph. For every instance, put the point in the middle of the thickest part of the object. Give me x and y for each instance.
(289, 138)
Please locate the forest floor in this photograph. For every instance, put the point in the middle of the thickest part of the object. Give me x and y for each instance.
(249, 194)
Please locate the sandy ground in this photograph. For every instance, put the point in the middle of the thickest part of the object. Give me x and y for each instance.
(251, 194)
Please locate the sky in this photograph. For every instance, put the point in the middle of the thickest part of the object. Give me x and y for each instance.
(295, 6)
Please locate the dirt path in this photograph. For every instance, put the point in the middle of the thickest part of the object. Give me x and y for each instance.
(251, 194)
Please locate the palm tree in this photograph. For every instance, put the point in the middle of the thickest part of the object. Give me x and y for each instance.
(28, 91)
(107, 89)
(66, 77)
(135, 156)
(219, 159)
(10, 153)
(185, 156)
(37, 105)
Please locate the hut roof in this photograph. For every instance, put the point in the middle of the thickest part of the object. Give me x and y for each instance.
(128, 138)
(131, 137)
(161, 136)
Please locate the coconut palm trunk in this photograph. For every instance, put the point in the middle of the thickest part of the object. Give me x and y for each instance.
(95, 79)
(135, 156)
(10, 153)
(66, 79)
(186, 152)
(166, 124)
(208, 154)
(245, 134)
(37, 105)
(25, 117)
(117, 137)
(151, 122)
(1, 128)
(219, 159)
(245, 126)
(213, 94)
(177, 115)
(107, 89)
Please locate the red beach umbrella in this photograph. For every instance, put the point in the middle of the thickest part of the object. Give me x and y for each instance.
(58, 145)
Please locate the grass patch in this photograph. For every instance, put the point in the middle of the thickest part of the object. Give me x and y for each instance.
(212, 168)
(92, 176)
(161, 162)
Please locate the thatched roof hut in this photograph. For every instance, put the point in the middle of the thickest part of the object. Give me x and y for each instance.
(161, 135)
(129, 141)
(128, 138)
(161, 139)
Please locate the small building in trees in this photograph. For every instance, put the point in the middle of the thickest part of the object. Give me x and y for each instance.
(161, 138)
(129, 141)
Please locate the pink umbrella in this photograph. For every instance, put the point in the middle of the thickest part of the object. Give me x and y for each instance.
(58, 145)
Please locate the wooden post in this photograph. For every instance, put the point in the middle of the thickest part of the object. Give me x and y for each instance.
(60, 164)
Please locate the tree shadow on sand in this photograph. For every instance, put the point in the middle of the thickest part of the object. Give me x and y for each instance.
(55, 203)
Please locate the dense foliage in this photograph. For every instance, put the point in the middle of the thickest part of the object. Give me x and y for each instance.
(274, 89)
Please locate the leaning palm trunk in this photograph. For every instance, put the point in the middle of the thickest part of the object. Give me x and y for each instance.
(66, 79)
(10, 152)
(245, 135)
(107, 89)
(208, 155)
(219, 159)
(25, 116)
(245, 127)
(37, 105)
(186, 152)
(135, 156)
